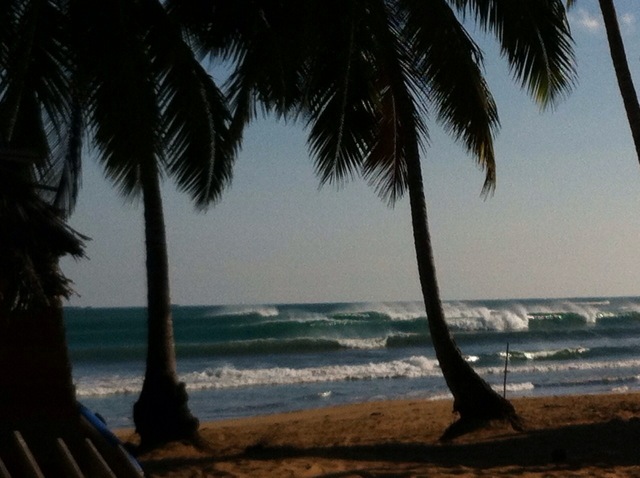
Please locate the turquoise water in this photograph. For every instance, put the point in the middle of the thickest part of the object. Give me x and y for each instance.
(249, 360)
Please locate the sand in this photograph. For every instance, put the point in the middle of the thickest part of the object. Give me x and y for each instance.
(589, 435)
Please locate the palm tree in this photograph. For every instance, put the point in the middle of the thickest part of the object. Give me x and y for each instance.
(38, 185)
(37, 395)
(621, 67)
(364, 74)
(154, 112)
(32, 344)
(121, 72)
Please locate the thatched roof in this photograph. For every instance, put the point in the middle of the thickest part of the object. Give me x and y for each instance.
(33, 236)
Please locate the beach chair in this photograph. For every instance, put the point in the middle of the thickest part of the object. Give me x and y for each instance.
(75, 457)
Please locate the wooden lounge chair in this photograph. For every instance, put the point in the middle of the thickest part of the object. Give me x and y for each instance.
(75, 457)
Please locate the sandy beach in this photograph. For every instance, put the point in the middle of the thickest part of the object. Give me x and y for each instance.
(588, 435)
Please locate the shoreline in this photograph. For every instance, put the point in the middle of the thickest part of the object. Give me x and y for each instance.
(569, 435)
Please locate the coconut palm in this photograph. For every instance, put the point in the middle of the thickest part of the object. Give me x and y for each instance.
(365, 75)
(37, 396)
(38, 184)
(621, 67)
(38, 180)
(121, 72)
(153, 112)
(32, 344)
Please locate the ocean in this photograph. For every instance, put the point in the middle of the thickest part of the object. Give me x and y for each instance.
(240, 361)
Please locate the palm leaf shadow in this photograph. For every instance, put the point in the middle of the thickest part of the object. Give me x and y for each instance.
(606, 444)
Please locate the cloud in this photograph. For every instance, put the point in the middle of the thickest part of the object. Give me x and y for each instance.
(592, 23)
(628, 21)
(587, 21)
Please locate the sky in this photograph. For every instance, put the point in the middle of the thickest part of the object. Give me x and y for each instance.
(564, 220)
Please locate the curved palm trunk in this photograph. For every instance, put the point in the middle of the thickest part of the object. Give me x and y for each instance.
(474, 399)
(621, 67)
(161, 413)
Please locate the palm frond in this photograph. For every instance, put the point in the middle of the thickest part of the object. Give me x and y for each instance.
(451, 79)
(194, 112)
(32, 239)
(122, 107)
(199, 154)
(385, 167)
(9, 13)
(243, 102)
(29, 131)
(535, 38)
(219, 26)
(398, 117)
(339, 93)
(67, 162)
(35, 106)
(267, 73)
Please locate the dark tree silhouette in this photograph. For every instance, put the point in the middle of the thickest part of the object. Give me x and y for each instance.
(365, 75)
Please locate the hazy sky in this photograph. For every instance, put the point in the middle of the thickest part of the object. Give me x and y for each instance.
(564, 219)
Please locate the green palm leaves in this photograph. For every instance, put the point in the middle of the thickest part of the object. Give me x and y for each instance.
(347, 67)
(38, 113)
(122, 72)
(149, 100)
(119, 73)
(39, 155)
(416, 55)
(367, 76)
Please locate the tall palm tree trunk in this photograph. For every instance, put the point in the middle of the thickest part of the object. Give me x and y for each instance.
(621, 67)
(161, 413)
(474, 399)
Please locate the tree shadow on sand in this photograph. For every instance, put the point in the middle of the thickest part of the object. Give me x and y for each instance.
(604, 445)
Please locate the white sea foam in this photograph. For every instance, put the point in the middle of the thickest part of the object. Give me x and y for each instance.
(403, 310)
(622, 389)
(464, 315)
(263, 311)
(302, 318)
(413, 367)
(230, 377)
(364, 344)
(590, 310)
(470, 317)
(543, 354)
(554, 367)
(511, 387)
(516, 387)
(104, 386)
(515, 315)
(630, 306)
(441, 396)
(394, 310)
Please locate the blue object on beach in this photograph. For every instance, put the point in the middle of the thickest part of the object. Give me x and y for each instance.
(99, 424)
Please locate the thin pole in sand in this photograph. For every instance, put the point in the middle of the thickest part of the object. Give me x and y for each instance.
(506, 366)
